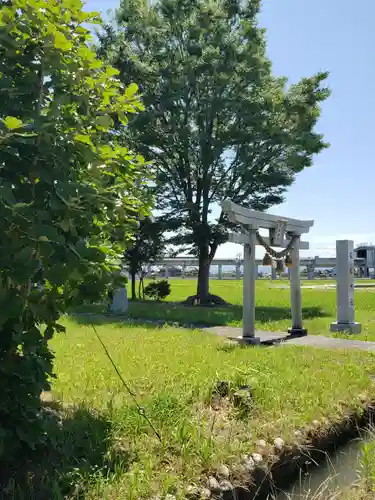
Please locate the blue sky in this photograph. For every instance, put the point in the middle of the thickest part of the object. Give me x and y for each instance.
(304, 37)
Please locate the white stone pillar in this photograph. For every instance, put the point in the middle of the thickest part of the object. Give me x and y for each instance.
(295, 291)
(249, 271)
(345, 288)
(220, 271)
(273, 273)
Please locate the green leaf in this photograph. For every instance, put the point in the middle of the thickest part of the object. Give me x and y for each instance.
(111, 71)
(11, 122)
(56, 274)
(7, 196)
(104, 121)
(65, 225)
(86, 139)
(131, 90)
(25, 254)
(61, 42)
(47, 233)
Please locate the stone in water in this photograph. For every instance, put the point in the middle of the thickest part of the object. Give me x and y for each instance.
(226, 485)
(249, 463)
(257, 458)
(278, 444)
(224, 471)
(205, 493)
(213, 484)
(261, 443)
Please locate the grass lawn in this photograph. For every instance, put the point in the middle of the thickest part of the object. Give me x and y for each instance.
(273, 306)
(109, 450)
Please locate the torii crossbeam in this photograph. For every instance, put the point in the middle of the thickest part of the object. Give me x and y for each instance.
(283, 233)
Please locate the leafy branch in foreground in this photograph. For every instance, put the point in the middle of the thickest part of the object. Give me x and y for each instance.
(69, 193)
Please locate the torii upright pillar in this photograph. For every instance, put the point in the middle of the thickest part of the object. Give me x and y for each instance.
(249, 276)
(295, 291)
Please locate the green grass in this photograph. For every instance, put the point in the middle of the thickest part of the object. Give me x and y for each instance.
(272, 306)
(364, 487)
(104, 449)
(107, 449)
(367, 468)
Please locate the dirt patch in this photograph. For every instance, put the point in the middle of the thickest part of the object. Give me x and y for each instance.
(209, 301)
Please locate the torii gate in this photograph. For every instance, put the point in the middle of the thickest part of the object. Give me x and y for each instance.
(283, 233)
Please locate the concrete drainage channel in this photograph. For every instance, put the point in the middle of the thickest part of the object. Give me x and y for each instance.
(300, 473)
(337, 472)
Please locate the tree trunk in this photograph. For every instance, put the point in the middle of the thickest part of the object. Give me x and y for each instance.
(141, 288)
(203, 296)
(203, 285)
(133, 276)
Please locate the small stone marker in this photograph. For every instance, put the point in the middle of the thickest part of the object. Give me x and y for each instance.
(119, 302)
(345, 288)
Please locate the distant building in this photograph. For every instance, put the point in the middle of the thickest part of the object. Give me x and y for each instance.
(364, 255)
(170, 271)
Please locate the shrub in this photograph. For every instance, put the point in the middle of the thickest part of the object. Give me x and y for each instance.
(158, 290)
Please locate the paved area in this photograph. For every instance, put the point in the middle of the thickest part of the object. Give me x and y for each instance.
(359, 286)
(285, 339)
(266, 338)
(311, 287)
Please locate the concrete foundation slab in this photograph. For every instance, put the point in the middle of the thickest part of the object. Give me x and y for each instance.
(346, 327)
(283, 339)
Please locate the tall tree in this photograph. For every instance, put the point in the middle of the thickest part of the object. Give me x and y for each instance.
(147, 247)
(218, 125)
(68, 191)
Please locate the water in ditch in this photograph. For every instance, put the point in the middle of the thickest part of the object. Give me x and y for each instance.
(335, 473)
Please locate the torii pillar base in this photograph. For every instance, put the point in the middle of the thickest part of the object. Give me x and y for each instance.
(345, 289)
(248, 340)
(297, 332)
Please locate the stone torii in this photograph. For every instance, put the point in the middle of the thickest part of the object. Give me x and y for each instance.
(283, 233)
